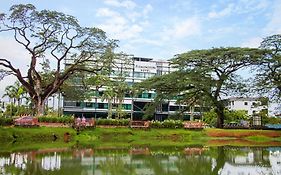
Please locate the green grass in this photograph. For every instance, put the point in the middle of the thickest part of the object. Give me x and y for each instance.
(16, 138)
(34, 134)
(125, 137)
(259, 138)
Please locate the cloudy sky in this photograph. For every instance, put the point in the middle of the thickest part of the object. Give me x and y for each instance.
(163, 28)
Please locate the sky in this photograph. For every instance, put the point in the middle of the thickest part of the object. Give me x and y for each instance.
(160, 29)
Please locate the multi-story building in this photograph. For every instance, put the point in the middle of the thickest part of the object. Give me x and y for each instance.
(249, 104)
(136, 70)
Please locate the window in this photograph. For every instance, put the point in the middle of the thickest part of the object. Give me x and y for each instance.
(102, 106)
(127, 106)
(145, 95)
(174, 108)
(66, 103)
(78, 104)
(245, 103)
(89, 105)
(165, 107)
(100, 93)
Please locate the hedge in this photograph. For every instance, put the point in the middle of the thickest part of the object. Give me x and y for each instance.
(6, 121)
(62, 119)
(167, 124)
(114, 122)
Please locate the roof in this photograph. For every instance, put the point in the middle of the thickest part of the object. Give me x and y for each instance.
(243, 98)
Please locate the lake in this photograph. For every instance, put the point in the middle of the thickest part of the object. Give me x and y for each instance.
(143, 160)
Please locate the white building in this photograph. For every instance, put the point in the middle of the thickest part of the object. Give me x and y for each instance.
(134, 71)
(249, 104)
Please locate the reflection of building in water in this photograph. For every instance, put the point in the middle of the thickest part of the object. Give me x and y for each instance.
(232, 169)
(139, 151)
(249, 162)
(194, 151)
(275, 161)
(51, 162)
(237, 161)
(19, 160)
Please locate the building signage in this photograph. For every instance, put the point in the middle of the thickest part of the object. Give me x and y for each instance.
(141, 66)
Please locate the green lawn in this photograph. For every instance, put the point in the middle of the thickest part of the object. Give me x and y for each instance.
(13, 138)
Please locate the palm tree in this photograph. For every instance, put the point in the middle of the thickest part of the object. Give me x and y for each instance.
(109, 95)
(15, 93)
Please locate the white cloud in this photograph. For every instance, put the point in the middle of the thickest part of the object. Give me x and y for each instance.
(121, 3)
(147, 9)
(154, 42)
(252, 42)
(13, 51)
(182, 29)
(16, 54)
(239, 7)
(225, 12)
(117, 26)
(123, 25)
(274, 25)
(106, 12)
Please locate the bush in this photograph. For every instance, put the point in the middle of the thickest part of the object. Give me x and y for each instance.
(167, 124)
(172, 124)
(6, 121)
(156, 124)
(113, 122)
(16, 110)
(62, 119)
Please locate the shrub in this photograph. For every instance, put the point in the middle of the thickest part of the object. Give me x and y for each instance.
(172, 124)
(167, 124)
(156, 124)
(62, 119)
(6, 121)
(114, 122)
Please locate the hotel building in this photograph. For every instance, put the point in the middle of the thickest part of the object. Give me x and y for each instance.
(136, 70)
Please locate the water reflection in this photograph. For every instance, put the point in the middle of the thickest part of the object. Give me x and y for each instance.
(145, 160)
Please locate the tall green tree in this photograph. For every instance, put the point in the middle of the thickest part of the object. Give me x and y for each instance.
(57, 37)
(268, 77)
(213, 73)
(205, 76)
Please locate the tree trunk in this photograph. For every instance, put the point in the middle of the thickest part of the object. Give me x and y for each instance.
(109, 114)
(220, 160)
(39, 105)
(220, 118)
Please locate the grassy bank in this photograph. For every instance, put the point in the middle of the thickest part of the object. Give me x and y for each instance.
(34, 138)
(19, 134)
(136, 137)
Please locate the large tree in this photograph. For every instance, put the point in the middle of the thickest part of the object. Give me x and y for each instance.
(205, 76)
(214, 72)
(268, 77)
(56, 39)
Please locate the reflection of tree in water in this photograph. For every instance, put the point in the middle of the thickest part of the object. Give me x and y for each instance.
(220, 160)
(194, 164)
(178, 164)
(155, 163)
(69, 166)
(116, 166)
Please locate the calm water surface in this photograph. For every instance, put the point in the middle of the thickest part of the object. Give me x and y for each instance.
(145, 161)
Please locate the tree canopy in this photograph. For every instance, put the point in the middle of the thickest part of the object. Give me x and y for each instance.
(206, 75)
(268, 77)
(52, 38)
